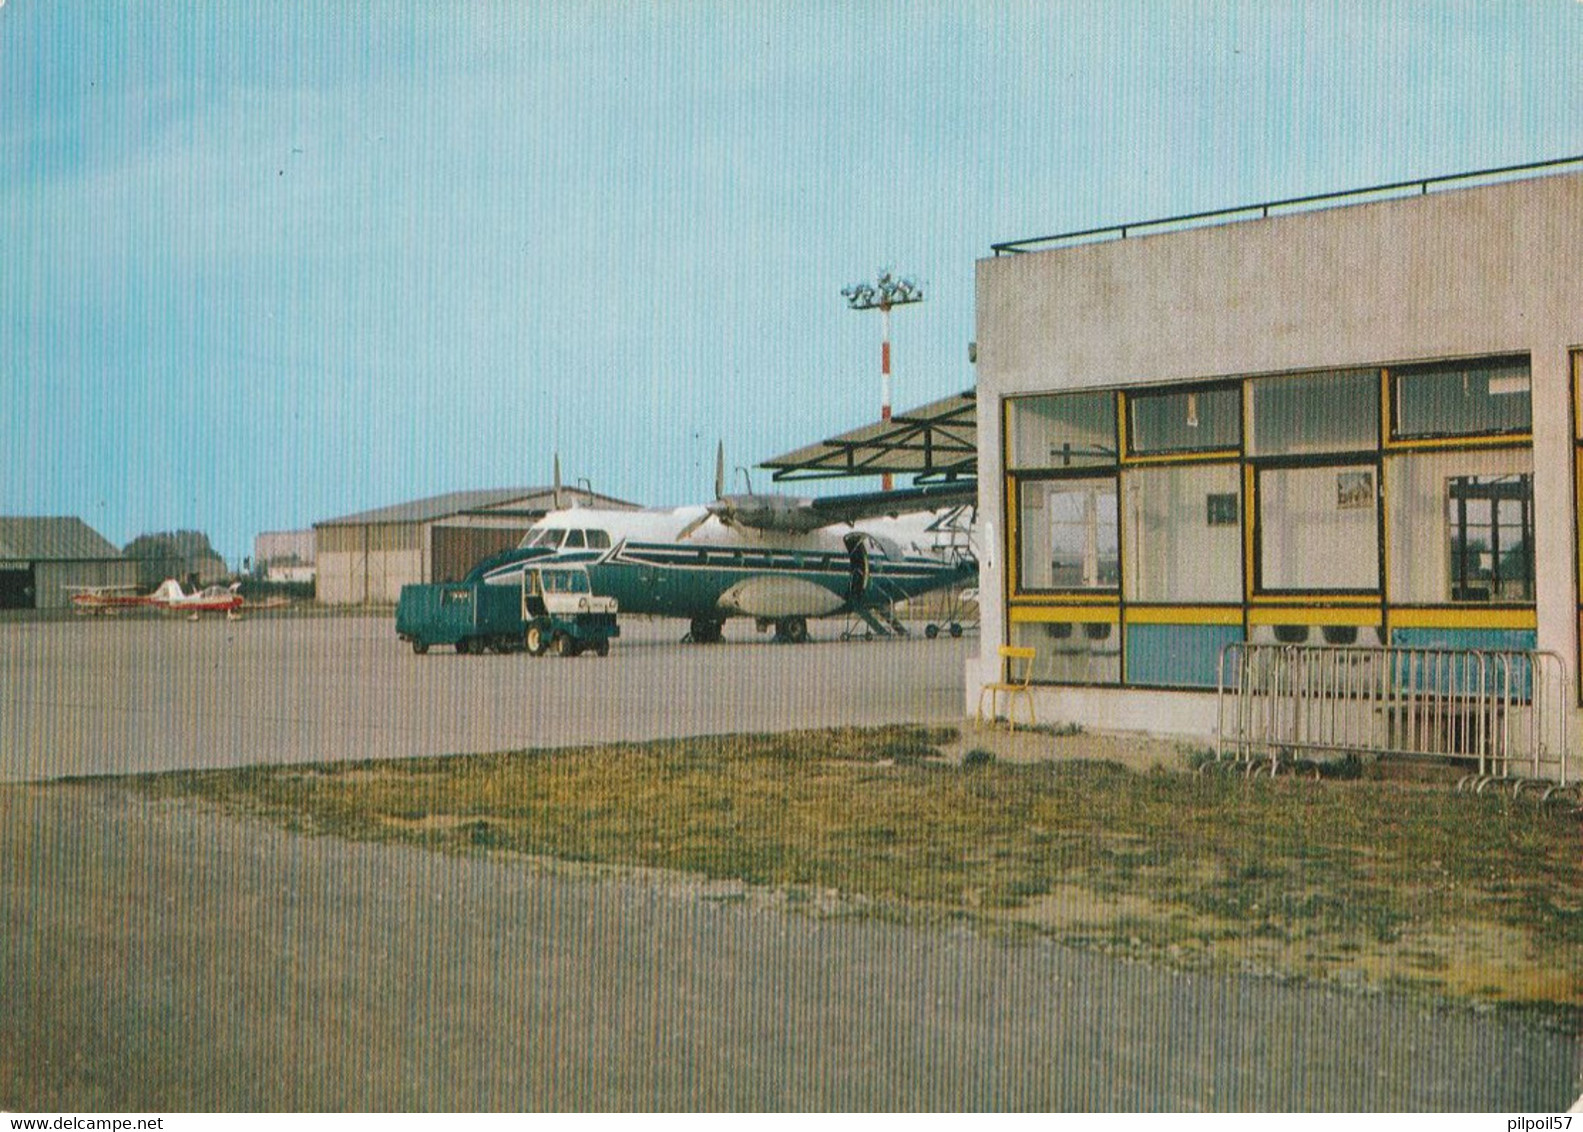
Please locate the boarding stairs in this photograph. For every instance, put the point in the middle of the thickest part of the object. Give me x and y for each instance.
(877, 612)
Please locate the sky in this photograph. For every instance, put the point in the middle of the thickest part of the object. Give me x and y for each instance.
(265, 264)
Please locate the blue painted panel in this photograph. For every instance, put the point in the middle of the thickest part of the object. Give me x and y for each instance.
(1514, 640)
(1185, 656)
(1467, 677)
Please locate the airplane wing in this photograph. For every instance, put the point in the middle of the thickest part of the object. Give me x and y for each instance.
(266, 605)
(874, 504)
(788, 513)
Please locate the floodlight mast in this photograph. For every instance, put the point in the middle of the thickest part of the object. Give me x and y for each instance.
(888, 291)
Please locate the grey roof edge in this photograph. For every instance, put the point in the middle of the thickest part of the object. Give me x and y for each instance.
(479, 502)
(53, 538)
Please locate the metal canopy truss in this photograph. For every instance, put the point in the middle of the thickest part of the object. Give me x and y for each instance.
(937, 441)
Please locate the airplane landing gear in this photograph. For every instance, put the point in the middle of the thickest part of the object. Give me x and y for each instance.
(706, 631)
(792, 630)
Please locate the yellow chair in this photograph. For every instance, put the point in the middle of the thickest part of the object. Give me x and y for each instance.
(1014, 685)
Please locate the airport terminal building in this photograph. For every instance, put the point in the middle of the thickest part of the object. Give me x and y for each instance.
(1344, 422)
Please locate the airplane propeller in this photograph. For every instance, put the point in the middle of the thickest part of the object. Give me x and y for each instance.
(557, 488)
(710, 509)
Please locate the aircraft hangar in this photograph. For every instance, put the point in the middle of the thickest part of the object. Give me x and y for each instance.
(41, 557)
(365, 559)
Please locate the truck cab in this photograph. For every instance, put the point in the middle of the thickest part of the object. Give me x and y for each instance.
(562, 613)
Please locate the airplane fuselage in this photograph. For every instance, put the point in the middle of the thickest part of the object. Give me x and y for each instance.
(687, 563)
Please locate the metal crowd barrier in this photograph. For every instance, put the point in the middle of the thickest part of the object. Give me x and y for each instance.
(1505, 710)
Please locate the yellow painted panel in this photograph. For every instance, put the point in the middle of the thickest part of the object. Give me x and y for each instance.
(1577, 484)
(1505, 439)
(1385, 528)
(1220, 454)
(1463, 618)
(1347, 603)
(1108, 614)
(1250, 513)
(1309, 615)
(1385, 407)
(1069, 598)
(1183, 615)
(1577, 393)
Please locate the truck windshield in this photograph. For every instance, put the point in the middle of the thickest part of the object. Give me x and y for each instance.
(565, 581)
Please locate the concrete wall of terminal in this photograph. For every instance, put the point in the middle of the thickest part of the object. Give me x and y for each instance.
(1488, 270)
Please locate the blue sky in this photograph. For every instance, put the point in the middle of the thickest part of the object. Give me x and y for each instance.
(265, 264)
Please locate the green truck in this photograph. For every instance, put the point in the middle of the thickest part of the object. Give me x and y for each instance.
(553, 609)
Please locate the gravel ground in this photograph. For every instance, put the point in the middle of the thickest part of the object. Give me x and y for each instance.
(163, 956)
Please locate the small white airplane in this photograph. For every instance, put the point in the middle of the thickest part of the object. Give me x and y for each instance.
(777, 559)
(211, 599)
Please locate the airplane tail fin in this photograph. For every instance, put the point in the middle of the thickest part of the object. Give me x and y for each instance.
(169, 590)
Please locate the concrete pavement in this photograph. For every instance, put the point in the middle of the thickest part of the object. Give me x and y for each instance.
(118, 696)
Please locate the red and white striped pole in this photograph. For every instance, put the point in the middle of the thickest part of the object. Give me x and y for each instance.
(884, 379)
(888, 292)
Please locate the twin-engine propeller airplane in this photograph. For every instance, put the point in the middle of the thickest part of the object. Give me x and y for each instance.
(777, 559)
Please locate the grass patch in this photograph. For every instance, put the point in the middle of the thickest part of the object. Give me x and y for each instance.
(1481, 896)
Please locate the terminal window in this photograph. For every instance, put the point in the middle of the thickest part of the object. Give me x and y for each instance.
(1489, 536)
(1184, 543)
(1459, 525)
(1314, 413)
(1197, 420)
(1319, 529)
(1066, 430)
(1068, 534)
(1466, 398)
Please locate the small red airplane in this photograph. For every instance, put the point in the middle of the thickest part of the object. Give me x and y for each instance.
(211, 599)
(87, 600)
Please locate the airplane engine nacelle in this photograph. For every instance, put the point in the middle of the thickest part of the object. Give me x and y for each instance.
(779, 597)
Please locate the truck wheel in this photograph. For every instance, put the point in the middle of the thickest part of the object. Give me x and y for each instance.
(420, 647)
(558, 644)
(533, 639)
(602, 646)
(463, 647)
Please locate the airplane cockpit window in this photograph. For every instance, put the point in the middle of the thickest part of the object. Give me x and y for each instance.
(550, 537)
(599, 540)
(574, 541)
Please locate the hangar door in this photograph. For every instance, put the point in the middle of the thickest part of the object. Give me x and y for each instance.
(16, 585)
(458, 549)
